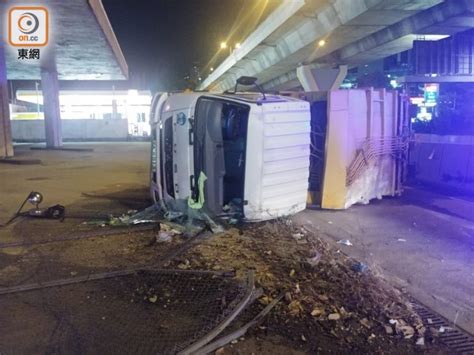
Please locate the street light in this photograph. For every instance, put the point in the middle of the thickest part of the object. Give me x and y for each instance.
(224, 45)
(321, 43)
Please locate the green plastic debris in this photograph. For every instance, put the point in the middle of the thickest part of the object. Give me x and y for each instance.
(196, 205)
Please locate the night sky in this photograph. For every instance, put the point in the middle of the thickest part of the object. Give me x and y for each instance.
(162, 39)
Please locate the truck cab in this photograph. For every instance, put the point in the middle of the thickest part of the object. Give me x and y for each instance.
(241, 153)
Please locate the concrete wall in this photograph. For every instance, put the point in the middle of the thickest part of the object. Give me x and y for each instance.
(79, 129)
(446, 161)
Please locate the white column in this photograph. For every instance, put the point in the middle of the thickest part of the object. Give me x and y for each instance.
(50, 88)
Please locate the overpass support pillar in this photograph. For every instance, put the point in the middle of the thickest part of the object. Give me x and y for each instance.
(52, 113)
(6, 146)
(320, 79)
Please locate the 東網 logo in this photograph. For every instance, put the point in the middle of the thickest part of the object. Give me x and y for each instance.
(28, 26)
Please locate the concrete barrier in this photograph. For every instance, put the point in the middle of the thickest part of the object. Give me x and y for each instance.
(446, 161)
(73, 130)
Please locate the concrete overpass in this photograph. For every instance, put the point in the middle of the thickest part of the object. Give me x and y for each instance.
(329, 33)
(82, 46)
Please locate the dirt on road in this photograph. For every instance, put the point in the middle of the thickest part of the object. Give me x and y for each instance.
(331, 303)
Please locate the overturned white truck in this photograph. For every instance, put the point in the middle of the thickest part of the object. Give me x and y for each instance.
(241, 152)
(264, 156)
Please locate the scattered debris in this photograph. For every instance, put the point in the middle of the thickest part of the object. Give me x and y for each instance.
(298, 235)
(407, 331)
(323, 298)
(184, 266)
(53, 212)
(443, 329)
(317, 312)
(366, 323)
(153, 298)
(420, 341)
(35, 198)
(314, 260)
(164, 237)
(401, 240)
(265, 300)
(360, 267)
(173, 215)
(295, 307)
(345, 242)
(317, 284)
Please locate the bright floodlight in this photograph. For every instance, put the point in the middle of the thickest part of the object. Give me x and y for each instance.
(212, 69)
(223, 45)
(321, 43)
(237, 45)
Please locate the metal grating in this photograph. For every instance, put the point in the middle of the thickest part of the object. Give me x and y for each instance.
(458, 341)
(147, 312)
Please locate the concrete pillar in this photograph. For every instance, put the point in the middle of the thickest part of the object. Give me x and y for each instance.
(50, 89)
(6, 146)
(114, 109)
(320, 79)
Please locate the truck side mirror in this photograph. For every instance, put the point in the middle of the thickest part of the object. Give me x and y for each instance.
(249, 81)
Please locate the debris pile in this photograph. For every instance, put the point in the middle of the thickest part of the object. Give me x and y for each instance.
(330, 301)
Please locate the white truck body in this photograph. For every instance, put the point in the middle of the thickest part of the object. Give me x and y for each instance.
(254, 151)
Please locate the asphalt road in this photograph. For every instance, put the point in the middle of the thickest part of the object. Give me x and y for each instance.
(422, 242)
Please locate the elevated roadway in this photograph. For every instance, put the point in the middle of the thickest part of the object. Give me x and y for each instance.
(329, 33)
